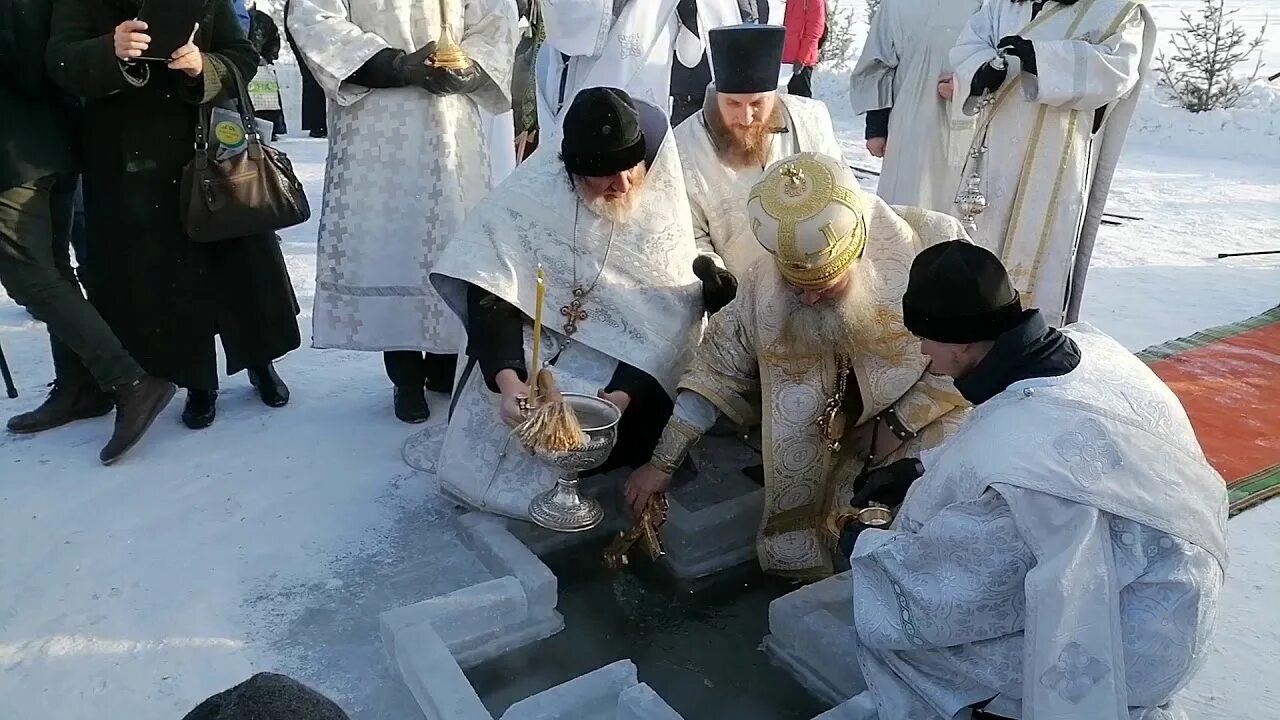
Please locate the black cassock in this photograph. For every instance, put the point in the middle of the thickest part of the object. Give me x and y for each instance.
(164, 295)
(495, 332)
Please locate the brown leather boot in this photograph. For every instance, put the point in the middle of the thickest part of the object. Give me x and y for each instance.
(137, 406)
(66, 403)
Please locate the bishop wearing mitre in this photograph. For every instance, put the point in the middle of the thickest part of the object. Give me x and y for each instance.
(745, 125)
(602, 210)
(815, 349)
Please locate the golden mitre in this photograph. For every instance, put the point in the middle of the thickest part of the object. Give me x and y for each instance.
(808, 213)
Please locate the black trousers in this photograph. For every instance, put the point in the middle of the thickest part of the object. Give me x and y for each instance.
(35, 269)
(410, 368)
(801, 83)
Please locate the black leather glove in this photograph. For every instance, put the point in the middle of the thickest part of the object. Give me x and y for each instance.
(987, 79)
(719, 286)
(1021, 48)
(381, 71)
(443, 81)
(887, 485)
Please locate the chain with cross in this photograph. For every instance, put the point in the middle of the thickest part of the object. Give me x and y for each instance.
(573, 312)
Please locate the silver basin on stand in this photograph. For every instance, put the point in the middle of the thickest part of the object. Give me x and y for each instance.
(563, 508)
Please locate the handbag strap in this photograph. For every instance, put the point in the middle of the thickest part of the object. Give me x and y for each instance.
(243, 106)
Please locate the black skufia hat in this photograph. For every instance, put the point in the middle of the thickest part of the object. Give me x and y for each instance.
(602, 133)
(746, 58)
(959, 293)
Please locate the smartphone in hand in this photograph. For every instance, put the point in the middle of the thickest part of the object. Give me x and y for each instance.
(170, 24)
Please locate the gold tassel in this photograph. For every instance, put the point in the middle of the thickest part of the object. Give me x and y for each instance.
(552, 425)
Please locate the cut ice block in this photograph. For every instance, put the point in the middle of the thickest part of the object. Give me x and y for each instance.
(641, 702)
(593, 696)
(477, 622)
(502, 553)
(434, 678)
(811, 635)
(713, 516)
(473, 624)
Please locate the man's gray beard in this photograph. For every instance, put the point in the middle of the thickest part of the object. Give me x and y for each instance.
(835, 323)
(618, 210)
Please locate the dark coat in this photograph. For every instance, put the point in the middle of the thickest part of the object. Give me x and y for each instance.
(163, 295)
(37, 120)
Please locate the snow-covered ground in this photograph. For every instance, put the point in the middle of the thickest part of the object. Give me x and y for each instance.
(271, 540)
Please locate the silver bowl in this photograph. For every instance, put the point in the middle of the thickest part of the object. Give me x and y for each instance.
(563, 508)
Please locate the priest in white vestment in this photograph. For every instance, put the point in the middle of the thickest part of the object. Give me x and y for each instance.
(745, 126)
(813, 349)
(1054, 113)
(626, 44)
(1063, 553)
(603, 212)
(407, 157)
(902, 84)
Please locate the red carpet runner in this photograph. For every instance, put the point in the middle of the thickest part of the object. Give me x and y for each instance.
(1228, 378)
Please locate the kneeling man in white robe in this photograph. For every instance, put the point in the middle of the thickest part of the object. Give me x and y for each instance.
(1053, 114)
(603, 212)
(1063, 553)
(745, 126)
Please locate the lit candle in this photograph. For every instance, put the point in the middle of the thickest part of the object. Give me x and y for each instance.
(537, 338)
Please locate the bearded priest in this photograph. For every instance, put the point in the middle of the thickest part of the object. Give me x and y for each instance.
(745, 125)
(603, 212)
(815, 349)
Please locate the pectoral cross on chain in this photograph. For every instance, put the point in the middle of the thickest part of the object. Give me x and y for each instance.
(573, 312)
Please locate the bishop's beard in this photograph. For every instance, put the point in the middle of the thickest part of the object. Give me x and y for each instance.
(834, 323)
(739, 146)
(617, 210)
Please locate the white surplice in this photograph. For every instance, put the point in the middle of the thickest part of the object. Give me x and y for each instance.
(626, 44)
(908, 49)
(404, 165)
(1047, 174)
(645, 308)
(1063, 554)
(718, 193)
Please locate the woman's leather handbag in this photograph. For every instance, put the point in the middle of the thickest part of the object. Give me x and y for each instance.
(250, 193)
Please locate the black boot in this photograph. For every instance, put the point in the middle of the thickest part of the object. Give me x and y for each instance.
(271, 388)
(66, 403)
(201, 409)
(440, 370)
(411, 405)
(137, 406)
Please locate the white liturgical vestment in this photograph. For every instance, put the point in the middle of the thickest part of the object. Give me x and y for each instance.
(404, 165)
(626, 44)
(1061, 557)
(718, 193)
(644, 307)
(908, 49)
(1047, 172)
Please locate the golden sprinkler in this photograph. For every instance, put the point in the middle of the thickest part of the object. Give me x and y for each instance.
(448, 53)
(644, 531)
